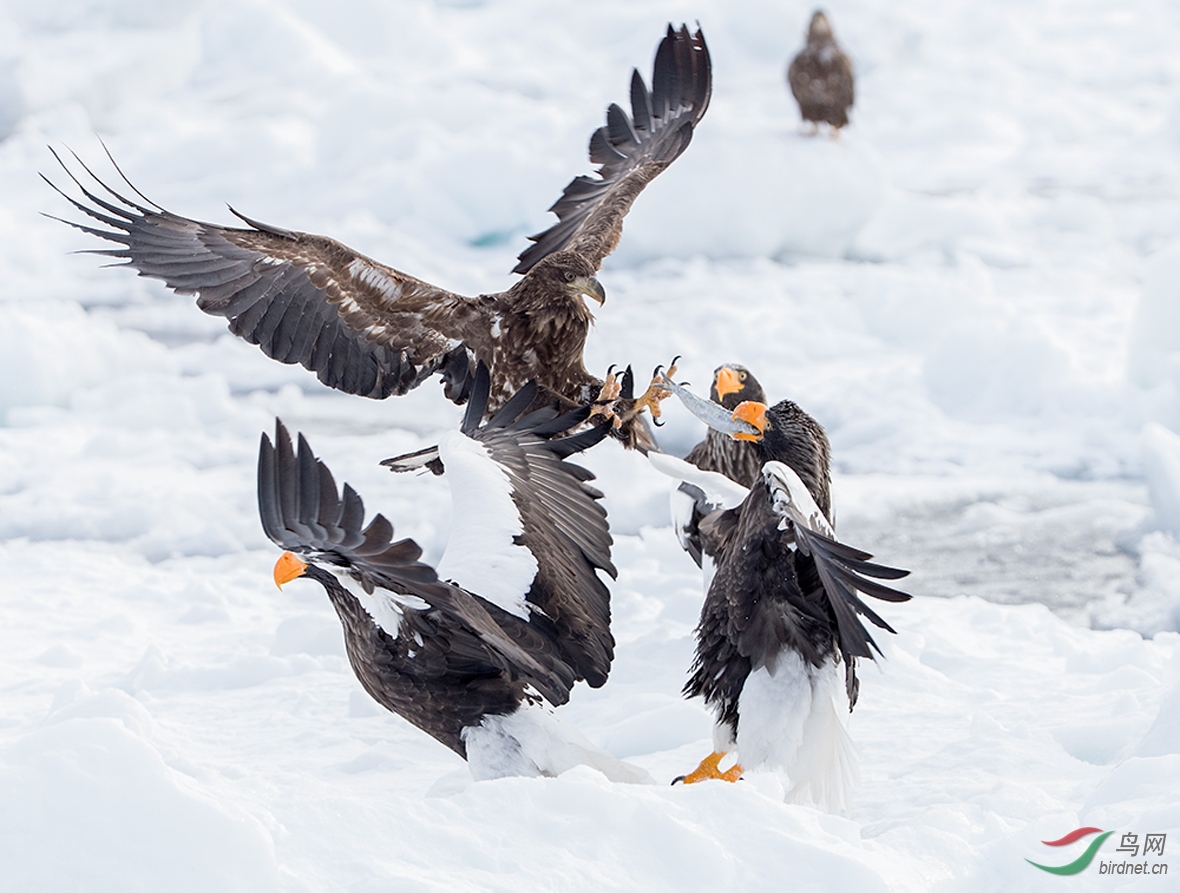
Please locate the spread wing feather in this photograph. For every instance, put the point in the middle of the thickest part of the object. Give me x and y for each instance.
(632, 151)
(362, 327)
(564, 526)
(844, 571)
(301, 510)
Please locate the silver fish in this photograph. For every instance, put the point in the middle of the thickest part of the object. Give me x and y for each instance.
(712, 414)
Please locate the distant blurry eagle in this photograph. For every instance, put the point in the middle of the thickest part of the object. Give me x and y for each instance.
(369, 329)
(515, 612)
(820, 77)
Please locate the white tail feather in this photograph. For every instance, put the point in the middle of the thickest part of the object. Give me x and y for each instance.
(826, 765)
(795, 719)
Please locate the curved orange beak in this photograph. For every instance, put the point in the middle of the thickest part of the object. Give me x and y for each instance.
(752, 413)
(287, 568)
(727, 382)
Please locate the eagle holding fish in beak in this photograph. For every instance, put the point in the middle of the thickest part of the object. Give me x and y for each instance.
(780, 631)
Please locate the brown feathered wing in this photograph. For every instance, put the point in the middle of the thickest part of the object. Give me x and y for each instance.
(366, 328)
(632, 151)
(362, 327)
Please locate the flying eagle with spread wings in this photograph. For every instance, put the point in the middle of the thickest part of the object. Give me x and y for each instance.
(366, 328)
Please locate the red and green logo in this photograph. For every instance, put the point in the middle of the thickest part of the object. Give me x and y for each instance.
(1082, 861)
(1143, 853)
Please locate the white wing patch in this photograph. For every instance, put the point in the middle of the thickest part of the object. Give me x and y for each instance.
(367, 274)
(719, 490)
(681, 507)
(708, 572)
(790, 495)
(481, 555)
(385, 607)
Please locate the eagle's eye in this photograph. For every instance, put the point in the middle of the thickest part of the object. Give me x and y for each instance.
(741, 376)
(569, 275)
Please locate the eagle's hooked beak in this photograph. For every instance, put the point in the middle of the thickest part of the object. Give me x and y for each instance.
(752, 413)
(287, 568)
(728, 382)
(591, 288)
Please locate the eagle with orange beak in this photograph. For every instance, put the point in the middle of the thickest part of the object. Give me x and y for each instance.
(737, 458)
(514, 614)
(780, 629)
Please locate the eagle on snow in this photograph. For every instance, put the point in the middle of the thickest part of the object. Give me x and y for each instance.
(780, 630)
(514, 614)
(820, 77)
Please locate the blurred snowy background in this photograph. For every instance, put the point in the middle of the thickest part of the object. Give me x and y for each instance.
(976, 289)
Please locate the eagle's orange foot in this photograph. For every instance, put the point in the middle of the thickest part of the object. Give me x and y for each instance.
(608, 395)
(655, 393)
(710, 767)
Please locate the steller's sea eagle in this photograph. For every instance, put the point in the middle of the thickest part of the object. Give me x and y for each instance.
(513, 616)
(738, 460)
(366, 328)
(780, 616)
(820, 77)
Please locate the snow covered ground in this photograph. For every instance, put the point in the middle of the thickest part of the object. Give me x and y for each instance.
(974, 289)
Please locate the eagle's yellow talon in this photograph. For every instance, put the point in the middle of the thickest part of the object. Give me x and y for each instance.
(710, 769)
(611, 388)
(656, 392)
(604, 403)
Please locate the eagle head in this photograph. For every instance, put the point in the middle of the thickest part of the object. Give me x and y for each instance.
(788, 434)
(289, 567)
(566, 272)
(752, 412)
(819, 31)
(734, 384)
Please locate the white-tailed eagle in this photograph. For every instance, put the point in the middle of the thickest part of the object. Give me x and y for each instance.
(820, 77)
(369, 329)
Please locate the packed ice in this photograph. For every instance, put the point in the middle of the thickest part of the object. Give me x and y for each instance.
(974, 288)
